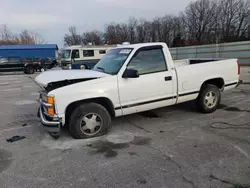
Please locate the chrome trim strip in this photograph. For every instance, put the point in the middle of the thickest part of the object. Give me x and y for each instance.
(44, 121)
(44, 103)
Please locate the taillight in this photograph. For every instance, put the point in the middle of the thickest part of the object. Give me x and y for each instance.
(238, 63)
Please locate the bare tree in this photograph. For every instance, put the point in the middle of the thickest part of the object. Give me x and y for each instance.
(198, 18)
(24, 37)
(38, 38)
(143, 31)
(6, 36)
(132, 23)
(72, 38)
(95, 37)
(110, 34)
(243, 19)
(202, 22)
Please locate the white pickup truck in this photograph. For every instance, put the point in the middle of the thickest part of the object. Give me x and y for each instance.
(127, 80)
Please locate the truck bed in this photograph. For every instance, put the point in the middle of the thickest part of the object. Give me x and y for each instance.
(191, 77)
(183, 62)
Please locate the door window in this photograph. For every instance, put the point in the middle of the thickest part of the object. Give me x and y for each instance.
(75, 53)
(14, 60)
(148, 61)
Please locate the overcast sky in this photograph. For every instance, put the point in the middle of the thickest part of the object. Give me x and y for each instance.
(51, 18)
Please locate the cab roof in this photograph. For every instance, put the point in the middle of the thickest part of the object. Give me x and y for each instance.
(139, 45)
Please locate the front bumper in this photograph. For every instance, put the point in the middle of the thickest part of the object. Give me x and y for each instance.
(66, 66)
(51, 124)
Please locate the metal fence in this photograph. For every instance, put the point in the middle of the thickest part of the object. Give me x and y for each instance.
(240, 50)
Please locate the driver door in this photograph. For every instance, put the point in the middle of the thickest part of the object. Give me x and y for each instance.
(153, 88)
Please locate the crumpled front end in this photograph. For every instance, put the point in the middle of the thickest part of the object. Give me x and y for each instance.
(47, 114)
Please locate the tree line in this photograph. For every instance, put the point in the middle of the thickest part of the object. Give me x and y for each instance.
(202, 22)
(24, 37)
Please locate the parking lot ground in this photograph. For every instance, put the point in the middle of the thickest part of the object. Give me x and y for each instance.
(169, 147)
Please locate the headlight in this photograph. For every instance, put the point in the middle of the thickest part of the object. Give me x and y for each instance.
(44, 97)
(48, 104)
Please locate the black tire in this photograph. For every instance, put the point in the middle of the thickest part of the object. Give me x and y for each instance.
(30, 70)
(201, 99)
(81, 111)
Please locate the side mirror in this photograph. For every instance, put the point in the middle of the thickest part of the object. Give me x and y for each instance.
(130, 73)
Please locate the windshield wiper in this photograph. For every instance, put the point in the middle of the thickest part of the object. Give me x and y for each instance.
(100, 68)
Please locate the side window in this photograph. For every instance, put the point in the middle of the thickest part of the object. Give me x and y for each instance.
(148, 61)
(75, 54)
(88, 53)
(102, 51)
(14, 60)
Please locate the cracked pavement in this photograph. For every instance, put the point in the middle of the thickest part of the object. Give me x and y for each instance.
(176, 147)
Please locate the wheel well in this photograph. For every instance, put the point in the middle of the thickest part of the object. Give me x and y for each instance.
(105, 102)
(219, 82)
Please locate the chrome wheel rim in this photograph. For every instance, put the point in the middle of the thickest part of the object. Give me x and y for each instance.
(91, 124)
(210, 99)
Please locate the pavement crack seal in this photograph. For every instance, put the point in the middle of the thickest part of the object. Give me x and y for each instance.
(235, 185)
(177, 164)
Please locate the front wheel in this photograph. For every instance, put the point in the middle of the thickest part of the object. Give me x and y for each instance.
(208, 99)
(89, 120)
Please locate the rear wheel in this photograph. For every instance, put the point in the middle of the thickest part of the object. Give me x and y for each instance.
(208, 99)
(89, 120)
(83, 67)
(30, 70)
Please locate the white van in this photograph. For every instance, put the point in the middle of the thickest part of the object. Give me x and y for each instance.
(82, 57)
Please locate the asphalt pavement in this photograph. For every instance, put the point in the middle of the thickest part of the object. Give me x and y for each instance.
(173, 147)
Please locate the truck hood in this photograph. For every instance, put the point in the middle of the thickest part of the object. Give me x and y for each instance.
(61, 75)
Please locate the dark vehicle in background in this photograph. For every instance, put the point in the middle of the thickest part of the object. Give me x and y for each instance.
(39, 64)
(48, 63)
(15, 64)
(11, 64)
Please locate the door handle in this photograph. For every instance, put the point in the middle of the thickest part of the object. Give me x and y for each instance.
(168, 78)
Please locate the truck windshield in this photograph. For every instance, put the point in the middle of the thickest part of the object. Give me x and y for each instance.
(65, 54)
(113, 60)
